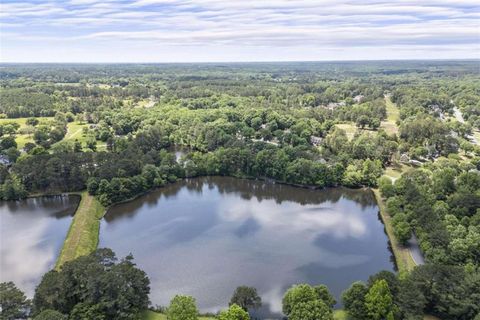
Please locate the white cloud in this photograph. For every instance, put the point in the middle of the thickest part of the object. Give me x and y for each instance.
(243, 23)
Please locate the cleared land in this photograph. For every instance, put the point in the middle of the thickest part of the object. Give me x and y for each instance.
(25, 132)
(82, 237)
(395, 171)
(75, 132)
(350, 129)
(393, 114)
(340, 315)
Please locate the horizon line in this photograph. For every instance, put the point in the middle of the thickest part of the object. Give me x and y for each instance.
(236, 61)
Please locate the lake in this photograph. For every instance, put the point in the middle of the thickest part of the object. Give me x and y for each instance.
(206, 236)
(32, 232)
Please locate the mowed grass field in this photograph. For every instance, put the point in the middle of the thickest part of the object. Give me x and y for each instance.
(350, 129)
(393, 114)
(24, 138)
(74, 131)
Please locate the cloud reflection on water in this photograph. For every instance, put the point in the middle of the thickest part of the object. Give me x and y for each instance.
(31, 234)
(210, 235)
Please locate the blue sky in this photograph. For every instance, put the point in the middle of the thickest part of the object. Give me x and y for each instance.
(237, 30)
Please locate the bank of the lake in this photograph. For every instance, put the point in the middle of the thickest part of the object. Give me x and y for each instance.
(83, 234)
(403, 258)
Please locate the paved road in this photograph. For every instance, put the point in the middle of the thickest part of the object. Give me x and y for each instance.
(415, 251)
(459, 116)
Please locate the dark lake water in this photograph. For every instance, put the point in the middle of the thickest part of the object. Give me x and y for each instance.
(206, 236)
(32, 232)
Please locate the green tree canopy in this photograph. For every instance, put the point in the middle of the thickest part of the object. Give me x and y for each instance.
(379, 301)
(49, 314)
(311, 310)
(246, 297)
(97, 285)
(234, 312)
(13, 303)
(182, 308)
(354, 301)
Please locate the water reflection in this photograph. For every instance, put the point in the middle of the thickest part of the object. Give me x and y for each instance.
(204, 237)
(31, 235)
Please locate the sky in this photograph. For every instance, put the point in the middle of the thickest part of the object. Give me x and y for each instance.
(237, 30)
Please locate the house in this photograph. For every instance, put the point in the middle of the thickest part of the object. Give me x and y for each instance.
(333, 105)
(358, 98)
(316, 141)
(404, 158)
(4, 160)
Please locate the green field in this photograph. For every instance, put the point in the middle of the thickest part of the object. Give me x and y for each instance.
(340, 315)
(82, 237)
(393, 115)
(395, 171)
(350, 129)
(75, 133)
(22, 121)
(24, 138)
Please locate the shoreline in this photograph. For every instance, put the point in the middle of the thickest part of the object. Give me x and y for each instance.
(403, 258)
(83, 234)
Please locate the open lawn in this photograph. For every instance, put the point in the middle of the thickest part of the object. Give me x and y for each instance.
(24, 138)
(340, 315)
(394, 171)
(75, 132)
(82, 237)
(350, 129)
(22, 121)
(393, 114)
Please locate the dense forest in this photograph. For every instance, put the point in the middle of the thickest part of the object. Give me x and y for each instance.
(114, 130)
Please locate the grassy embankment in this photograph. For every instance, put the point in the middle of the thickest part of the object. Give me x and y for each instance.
(82, 237)
(402, 255)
